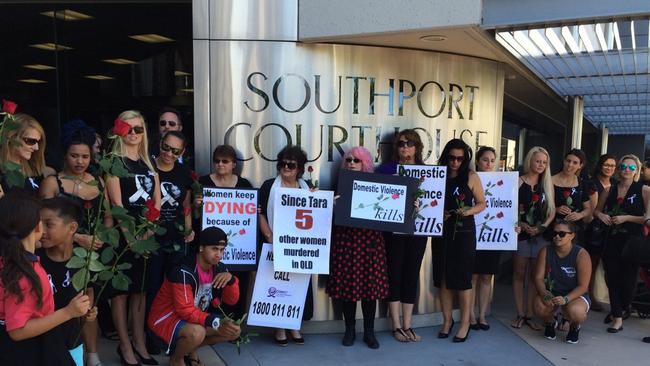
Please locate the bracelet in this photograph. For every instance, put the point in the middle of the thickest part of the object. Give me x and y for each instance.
(566, 300)
(645, 222)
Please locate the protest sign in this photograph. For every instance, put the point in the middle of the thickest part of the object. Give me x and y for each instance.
(278, 297)
(302, 227)
(495, 226)
(376, 201)
(235, 212)
(430, 213)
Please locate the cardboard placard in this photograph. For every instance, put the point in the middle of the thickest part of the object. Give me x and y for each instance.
(430, 213)
(495, 226)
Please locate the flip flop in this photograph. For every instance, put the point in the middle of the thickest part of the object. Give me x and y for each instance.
(518, 322)
(532, 324)
(400, 336)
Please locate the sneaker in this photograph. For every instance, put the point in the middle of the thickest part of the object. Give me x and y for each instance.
(549, 331)
(573, 335)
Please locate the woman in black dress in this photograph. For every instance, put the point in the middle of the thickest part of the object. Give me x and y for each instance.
(23, 147)
(404, 252)
(291, 167)
(623, 209)
(74, 182)
(224, 160)
(595, 231)
(486, 263)
(132, 193)
(572, 194)
(358, 270)
(453, 254)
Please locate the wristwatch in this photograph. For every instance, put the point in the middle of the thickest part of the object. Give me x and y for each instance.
(215, 323)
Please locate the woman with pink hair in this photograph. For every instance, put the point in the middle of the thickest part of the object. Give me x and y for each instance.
(358, 269)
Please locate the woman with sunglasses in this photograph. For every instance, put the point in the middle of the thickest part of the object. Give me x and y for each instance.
(562, 277)
(224, 160)
(595, 231)
(535, 214)
(24, 148)
(291, 167)
(453, 254)
(132, 192)
(623, 209)
(358, 265)
(486, 262)
(404, 252)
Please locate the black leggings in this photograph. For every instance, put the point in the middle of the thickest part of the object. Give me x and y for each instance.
(368, 308)
(405, 255)
(621, 278)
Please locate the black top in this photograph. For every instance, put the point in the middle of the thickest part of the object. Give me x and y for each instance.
(457, 195)
(207, 182)
(30, 185)
(531, 206)
(61, 282)
(174, 186)
(136, 189)
(572, 197)
(89, 208)
(631, 204)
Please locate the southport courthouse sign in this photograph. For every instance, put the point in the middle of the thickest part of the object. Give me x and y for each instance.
(328, 98)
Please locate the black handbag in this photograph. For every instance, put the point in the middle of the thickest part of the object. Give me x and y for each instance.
(637, 250)
(596, 234)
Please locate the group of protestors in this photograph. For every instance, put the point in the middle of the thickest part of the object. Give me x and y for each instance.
(568, 222)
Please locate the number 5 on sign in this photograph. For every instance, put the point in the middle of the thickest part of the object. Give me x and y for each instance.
(302, 225)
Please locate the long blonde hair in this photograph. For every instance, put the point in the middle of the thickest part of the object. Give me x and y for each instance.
(637, 161)
(545, 177)
(36, 164)
(143, 150)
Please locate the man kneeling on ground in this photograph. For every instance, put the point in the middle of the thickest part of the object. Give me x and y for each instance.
(562, 279)
(179, 313)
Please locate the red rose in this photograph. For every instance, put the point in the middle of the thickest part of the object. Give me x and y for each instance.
(152, 214)
(194, 176)
(121, 128)
(592, 191)
(310, 168)
(461, 197)
(395, 196)
(242, 231)
(566, 194)
(500, 183)
(548, 269)
(9, 106)
(434, 203)
(422, 179)
(620, 200)
(535, 198)
(88, 205)
(187, 211)
(500, 215)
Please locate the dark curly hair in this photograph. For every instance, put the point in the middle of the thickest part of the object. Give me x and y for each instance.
(293, 152)
(77, 132)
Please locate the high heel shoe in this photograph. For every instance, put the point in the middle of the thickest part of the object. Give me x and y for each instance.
(122, 360)
(458, 339)
(145, 361)
(442, 334)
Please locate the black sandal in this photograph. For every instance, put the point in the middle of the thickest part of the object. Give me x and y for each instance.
(518, 323)
(400, 336)
(189, 361)
(531, 324)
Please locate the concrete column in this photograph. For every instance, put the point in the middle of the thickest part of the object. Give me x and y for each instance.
(521, 146)
(604, 138)
(577, 109)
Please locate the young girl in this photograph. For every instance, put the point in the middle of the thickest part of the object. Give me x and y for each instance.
(28, 321)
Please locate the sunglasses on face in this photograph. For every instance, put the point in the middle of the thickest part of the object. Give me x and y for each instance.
(138, 130)
(288, 164)
(456, 158)
(561, 234)
(167, 148)
(163, 123)
(631, 167)
(406, 143)
(353, 160)
(30, 141)
(222, 161)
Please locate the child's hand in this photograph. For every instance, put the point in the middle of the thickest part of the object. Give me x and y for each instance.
(221, 279)
(78, 306)
(91, 315)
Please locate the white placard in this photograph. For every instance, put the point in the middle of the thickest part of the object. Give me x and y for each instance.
(429, 219)
(235, 212)
(278, 297)
(378, 201)
(302, 228)
(495, 226)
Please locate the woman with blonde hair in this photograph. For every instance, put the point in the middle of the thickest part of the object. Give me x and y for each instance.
(24, 148)
(536, 212)
(132, 193)
(622, 207)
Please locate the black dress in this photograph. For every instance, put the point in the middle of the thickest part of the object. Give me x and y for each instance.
(574, 198)
(89, 207)
(453, 254)
(136, 190)
(595, 231)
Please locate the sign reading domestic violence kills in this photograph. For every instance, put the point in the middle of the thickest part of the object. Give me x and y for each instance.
(430, 213)
(302, 227)
(495, 226)
(376, 201)
(278, 297)
(235, 212)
